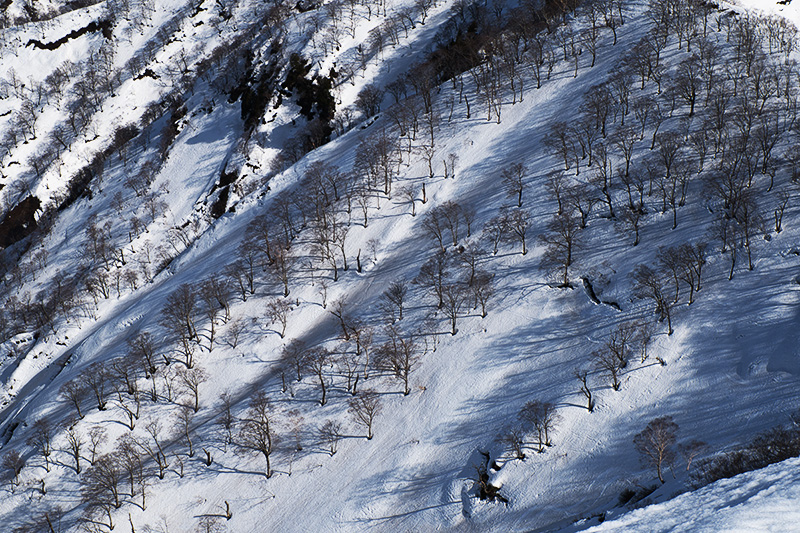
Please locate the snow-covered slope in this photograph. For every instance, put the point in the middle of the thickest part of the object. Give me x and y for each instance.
(145, 228)
(763, 500)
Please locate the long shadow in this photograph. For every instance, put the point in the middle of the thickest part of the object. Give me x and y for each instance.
(407, 513)
(221, 469)
(415, 490)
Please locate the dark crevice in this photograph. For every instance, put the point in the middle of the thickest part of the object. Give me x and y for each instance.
(20, 222)
(104, 25)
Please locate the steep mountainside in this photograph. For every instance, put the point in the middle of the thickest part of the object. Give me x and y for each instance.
(394, 265)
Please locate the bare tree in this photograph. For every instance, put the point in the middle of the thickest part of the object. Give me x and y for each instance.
(42, 440)
(687, 261)
(434, 225)
(454, 297)
(581, 198)
(14, 462)
(482, 289)
(184, 424)
(97, 437)
(621, 342)
(783, 197)
(95, 378)
(452, 214)
(317, 360)
(751, 221)
(495, 230)
(338, 310)
(75, 392)
(235, 274)
(363, 336)
(214, 294)
(513, 180)
(583, 377)
(730, 233)
(691, 450)
(249, 259)
(428, 152)
(688, 81)
(168, 377)
(348, 363)
(178, 318)
(124, 372)
(562, 239)
(555, 185)
(409, 195)
(434, 275)
(130, 461)
(630, 220)
(102, 480)
(295, 355)
(255, 430)
(364, 408)
(75, 444)
(399, 355)
(369, 100)
(235, 330)
(331, 433)
(191, 379)
(514, 438)
(624, 140)
(212, 524)
(449, 163)
(101, 492)
(154, 448)
(278, 313)
(651, 284)
(606, 362)
(225, 418)
(540, 417)
(518, 222)
(656, 443)
(395, 295)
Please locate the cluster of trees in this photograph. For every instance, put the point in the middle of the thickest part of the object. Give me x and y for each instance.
(675, 267)
(720, 125)
(628, 341)
(535, 419)
(121, 475)
(658, 447)
(32, 11)
(120, 381)
(742, 96)
(80, 90)
(495, 48)
(66, 87)
(104, 272)
(359, 356)
(338, 20)
(656, 444)
(768, 447)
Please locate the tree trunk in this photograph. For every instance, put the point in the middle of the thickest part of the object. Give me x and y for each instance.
(324, 390)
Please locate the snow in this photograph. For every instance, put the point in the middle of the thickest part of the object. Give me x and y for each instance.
(763, 500)
(734, 354)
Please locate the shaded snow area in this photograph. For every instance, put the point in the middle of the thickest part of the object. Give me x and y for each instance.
(399, 266)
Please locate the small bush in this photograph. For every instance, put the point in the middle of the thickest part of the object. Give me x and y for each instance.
(626, 495)
(630, 496)
(772, 446)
